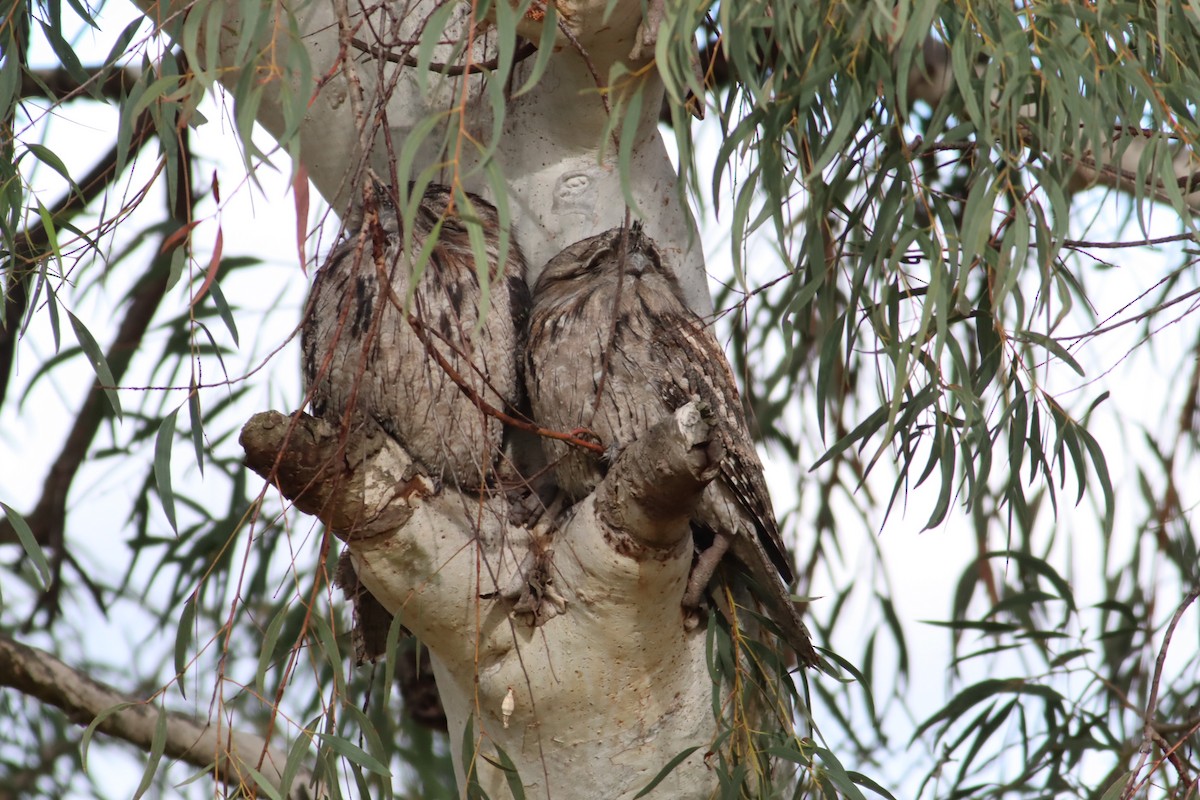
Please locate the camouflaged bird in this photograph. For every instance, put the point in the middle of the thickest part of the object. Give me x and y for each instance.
(363, 355)
(368, 348)
(582, 371)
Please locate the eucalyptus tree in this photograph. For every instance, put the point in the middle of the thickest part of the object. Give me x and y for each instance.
(955, 231)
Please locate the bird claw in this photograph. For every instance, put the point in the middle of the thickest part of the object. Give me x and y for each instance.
(525, 508)
(532, 591)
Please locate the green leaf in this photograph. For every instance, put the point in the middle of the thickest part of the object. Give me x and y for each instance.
(158, 743)
(10, 82)
(30, 544)
(354, 754)
(545, 49)
(982, 692)
(267, 654)
(1051, 345)
(1117, 788)
(631, 116)
(511, 776)
(162, 467)
(183, 641)
(299, 757)
(264, 783)
(1100, 465)
(67, 57)
(85, 740)
(862, 780)
(196, 421)
(838, 774)
(666, 770)
(1040, 567)
(99, 365)
(51, 159)
(121, 43)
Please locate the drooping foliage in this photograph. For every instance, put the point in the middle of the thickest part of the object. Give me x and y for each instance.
(958, 279)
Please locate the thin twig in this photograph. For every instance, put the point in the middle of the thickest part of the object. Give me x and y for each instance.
(447, 70)
(1076, 244)
(1149, 734)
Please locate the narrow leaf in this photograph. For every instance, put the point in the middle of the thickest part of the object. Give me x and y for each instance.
(158, 743)
(162, 467)
(99, 365)
(51, 159)
(300, 196)
(197, 424)
(183, 642)
(85, 741)
(264, 784)
(511, 776)
(214, 263)
(225, 312)
(665, 771)
(267, 653)
(29, 543)
(355, 754)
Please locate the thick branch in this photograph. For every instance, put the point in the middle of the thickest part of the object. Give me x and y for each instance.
(932, 80)
(202, 744)
(616, 678)
(59, 84)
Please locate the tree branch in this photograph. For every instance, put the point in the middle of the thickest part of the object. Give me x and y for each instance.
(30, 247)
(59, 85)
(618, 658)
(48, 519)
(335, 475)
(202, 744)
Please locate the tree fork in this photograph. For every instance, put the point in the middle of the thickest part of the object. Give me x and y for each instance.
(565, 700)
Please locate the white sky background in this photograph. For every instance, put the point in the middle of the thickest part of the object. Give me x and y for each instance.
(922, 567)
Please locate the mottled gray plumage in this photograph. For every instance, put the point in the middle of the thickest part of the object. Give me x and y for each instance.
(582, 372)
(363, 358)
(360, 350)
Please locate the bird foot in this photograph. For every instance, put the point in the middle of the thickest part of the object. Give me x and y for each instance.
(647, 32)
(526, 509)
(703, 569)
(532, 590)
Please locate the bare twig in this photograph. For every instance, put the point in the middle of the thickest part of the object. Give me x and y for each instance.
(202, 744)
(1149, 733)
(1076, 244)
(526, 50)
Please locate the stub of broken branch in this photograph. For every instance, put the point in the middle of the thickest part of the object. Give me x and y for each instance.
(333, 474)
(652, 489)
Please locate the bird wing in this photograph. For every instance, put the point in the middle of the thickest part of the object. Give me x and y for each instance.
(697, 367)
